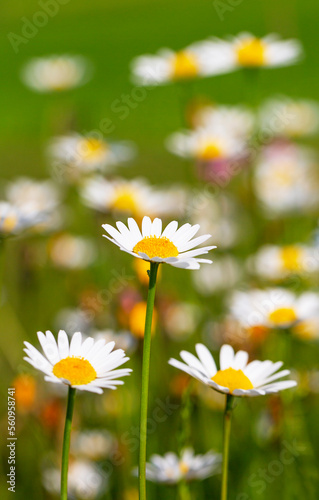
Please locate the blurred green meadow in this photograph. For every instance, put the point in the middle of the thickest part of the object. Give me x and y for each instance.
(35, 290)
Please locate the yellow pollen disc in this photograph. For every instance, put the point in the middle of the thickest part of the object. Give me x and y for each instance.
(291, 258)
(251, 53)
(153, 246)
(125, 201)
(184, 65)
(210, 152)
(233, 379)
(306, 329)
(9, 223)
(183, 467)
(92, 149)
(78, 371)
(282, 316)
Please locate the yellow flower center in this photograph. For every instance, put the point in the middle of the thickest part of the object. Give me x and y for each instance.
(251, 52)
(9, 223)
(282, 316)
(291, 257)
(184, 65)
(306, 329)
(233, 379)
(183, 467)
(91, 148)
(210, 151)
(77, 370)
(153, 246)
(125, 201)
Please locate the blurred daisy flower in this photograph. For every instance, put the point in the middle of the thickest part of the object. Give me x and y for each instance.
(173, 245)
(93, 444)
(180, 319)
(286, 180)
(217, 215)
(73, 156)
(86, 480)
(223, 275)
(85, 365)
(36, 198)
(289, 118)
(71, 252)
(273, 262)
(307, 329)
(171, 468)
(198, 60)
(132, 197)
(236, 376)
(273, 308)
(238, 120)
(56, 73)
(123, 339)
(247, 51)
(14, 220)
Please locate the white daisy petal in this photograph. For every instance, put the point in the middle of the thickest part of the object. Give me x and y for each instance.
(226, 357)
(207, 359)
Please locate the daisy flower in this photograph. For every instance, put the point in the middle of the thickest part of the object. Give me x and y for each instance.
(56, 73)
(223, 275)
(171, 468)
(285, 179)
(273, 308)
(74, 155)
(273, 262)
(201, 59)
(289, 118)
(173, 245)
(93, 444)
(235, 376)
(80, 364)
(14, 220)
(237, 121)
(248, 51)
(71, 252)
(131, 197)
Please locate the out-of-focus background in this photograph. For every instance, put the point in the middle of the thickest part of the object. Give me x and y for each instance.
(61, 273)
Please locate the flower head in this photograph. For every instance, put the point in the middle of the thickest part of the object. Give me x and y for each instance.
(248, 51)
(172, 246)
(56, 73)
(171, 468)
(85, 365)
(14, 220)
(235, 376)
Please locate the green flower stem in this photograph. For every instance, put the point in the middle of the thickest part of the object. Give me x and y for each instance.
(66, 444)
(183, 491)
(227, 425)
(145, 378)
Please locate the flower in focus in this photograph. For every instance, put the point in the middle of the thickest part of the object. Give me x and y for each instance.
(36, 198)
(236, 376)
(174, 246)
(288, 118)
(170, 468)
(74, 155)
(86, 480)
(85, 365)
(93, 444)
(273, 308)
(201, 59)
(273, 262)
(247, 51)
(56, 73)
(71, 252)
(131, 197)
(286, 179)
(14, 220)
(25, 391)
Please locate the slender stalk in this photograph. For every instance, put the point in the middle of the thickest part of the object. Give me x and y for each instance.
(227, 426)
(183, 491)
(145, 378)
(66, 444)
